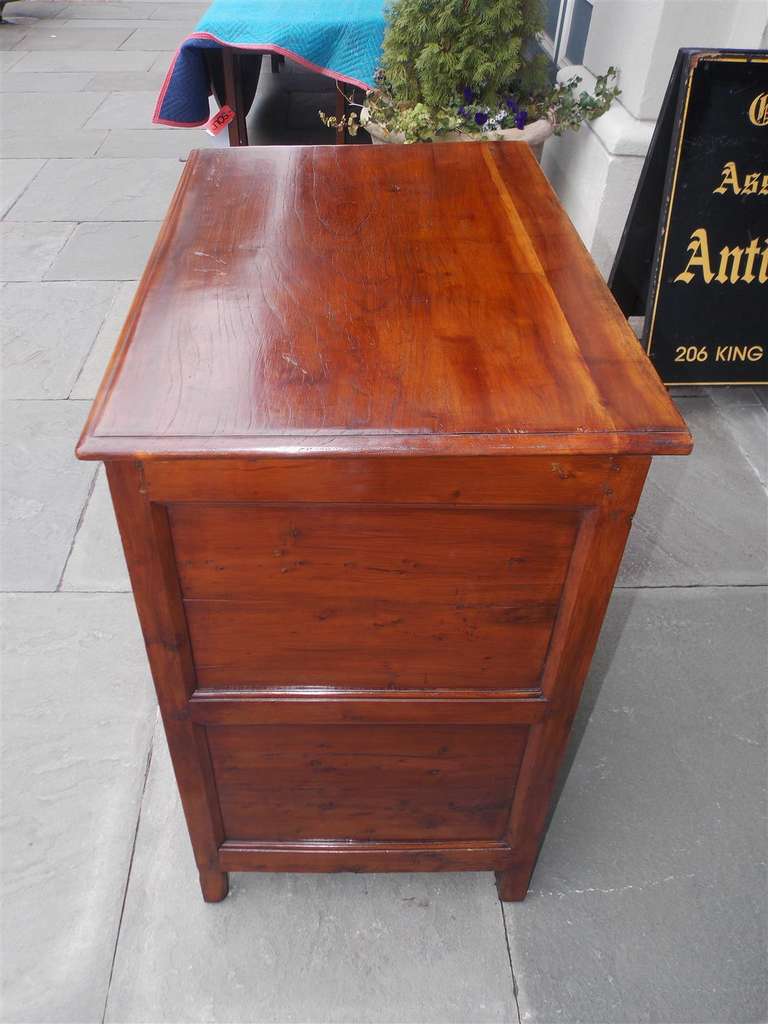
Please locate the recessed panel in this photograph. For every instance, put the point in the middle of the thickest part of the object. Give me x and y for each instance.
(384, 782)
(382, 597)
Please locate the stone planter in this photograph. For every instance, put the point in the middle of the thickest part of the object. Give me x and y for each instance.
(535, 134)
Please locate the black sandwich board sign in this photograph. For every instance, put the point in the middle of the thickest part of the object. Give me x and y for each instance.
(694, 254)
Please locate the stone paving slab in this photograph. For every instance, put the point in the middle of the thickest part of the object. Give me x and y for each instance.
(647, 903)
(99, 190)
(48, 329)
(128, 81)
(745, 415)
(44, 491)
(701, 519)
(162, 61)
(78, 714)
(40, 114)
(28, 250)
(97, 562)
(40, 9)
(173, 20)
(178, 142)
(400, 948)
(193, 12)
(93, 369)
(126, 23)
(20, 22)
(56, 37)
(15, 176)
(162, 36)
(27, 81)
(77, 60)
(105, 252)
(8, 59)
(127, 110)
(110, 11)
(12, 36)
(50, 144)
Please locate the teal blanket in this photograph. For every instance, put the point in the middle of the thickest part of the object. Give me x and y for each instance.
(341, 39)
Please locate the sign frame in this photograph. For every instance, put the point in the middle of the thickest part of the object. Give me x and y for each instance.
(636, 277)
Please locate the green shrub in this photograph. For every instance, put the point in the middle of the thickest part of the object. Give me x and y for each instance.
(435, 48)
(470, 67)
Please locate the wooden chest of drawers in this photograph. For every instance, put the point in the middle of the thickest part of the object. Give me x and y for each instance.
(374, 432)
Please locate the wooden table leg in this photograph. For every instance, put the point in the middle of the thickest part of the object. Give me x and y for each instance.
(214, 885)
(512, 885)
(233, 97)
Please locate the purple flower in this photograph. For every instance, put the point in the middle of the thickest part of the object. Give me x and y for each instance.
(512, 104)
(481, 117)
(462, 111)
(520, 118)
(469, 95)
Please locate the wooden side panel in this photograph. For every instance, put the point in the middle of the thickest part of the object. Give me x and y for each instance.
(596, 561)
(149, 555)
(530, 481)
(369, 644)
(387, 597)
(385, 782)
(433, 776)
(239, 552)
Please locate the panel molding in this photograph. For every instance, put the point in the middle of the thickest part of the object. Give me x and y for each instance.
(355, 855)
(588, 588)
(150, 557)
(492, 481)
(375, 596)
(216, 707)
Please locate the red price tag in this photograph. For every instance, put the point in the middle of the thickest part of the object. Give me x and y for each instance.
(220, 120)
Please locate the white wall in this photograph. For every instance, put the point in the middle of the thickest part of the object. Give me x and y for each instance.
(595, 171)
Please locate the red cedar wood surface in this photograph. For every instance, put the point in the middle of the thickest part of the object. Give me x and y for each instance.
(433, 299)
(374, 431)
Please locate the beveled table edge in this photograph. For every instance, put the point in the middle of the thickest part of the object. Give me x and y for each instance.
(648, 442)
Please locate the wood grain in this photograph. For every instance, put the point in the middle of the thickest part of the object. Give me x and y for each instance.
(148, 553)
(540, 481)
(379, 299)
(360, 782)
(596, 560)
(375, 434)
(356, 856)
(303, 595)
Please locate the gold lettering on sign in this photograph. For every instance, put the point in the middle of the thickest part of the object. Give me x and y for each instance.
(736, 264)
(758, 109)
(730, 179)
(751, 252)
(698, 247)
(734, 255)
(751, 185)
(738, 353)
(755, 182)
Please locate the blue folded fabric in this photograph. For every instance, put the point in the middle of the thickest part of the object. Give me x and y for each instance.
(341, 40)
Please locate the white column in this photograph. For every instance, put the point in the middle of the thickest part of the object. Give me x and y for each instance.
(595, 171)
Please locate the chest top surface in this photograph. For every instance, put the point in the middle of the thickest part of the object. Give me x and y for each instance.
(380, 300)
